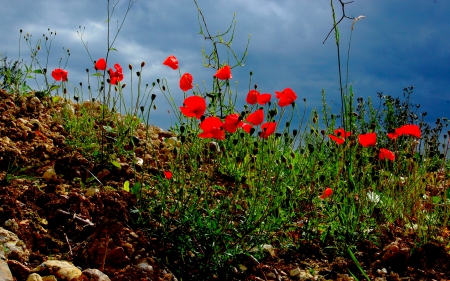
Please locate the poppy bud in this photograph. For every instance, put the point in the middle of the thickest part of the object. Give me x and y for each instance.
(65, 91)
(255, 151)
(87, 70)
(89, 87)
(242, 135)
(183, 139)
(293, 104)
(202, 118)
(157, 80)
(93, 99)
(182, 129)
(142, 109)
(283, 159)
(235, 141)
(294, 132)
(143, 64)
(124, 85)
(252, 130)
(292, 155)
(310, 148)
(130, 66)
(101, 88)
(256, 86)
(163, 88)
(45, 70)
(255, 144)
(75, 98)
(153, 97)
(288, 123)
(138, 73)
(251, 73)
(21, 31)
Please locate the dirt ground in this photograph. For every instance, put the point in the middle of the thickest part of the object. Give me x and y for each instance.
(93, 227)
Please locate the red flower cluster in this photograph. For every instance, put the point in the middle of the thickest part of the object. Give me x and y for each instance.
(370, 139)
(60, 74)
(114, 76)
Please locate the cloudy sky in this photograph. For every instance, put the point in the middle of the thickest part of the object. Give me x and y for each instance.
(400, 43)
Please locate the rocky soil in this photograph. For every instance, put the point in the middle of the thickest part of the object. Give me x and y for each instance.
(54, 223)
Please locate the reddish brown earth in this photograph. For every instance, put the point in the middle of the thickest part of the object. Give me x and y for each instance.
(59, 219)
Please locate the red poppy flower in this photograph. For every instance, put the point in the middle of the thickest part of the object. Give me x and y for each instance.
(100, 64)
(339, 136)
(212, 128)
(411, 130)
(224, 73)
(193, 106)
(117, 76)
(59, 74)
(267, 129)
(168, 174)
(186, 82)
(256, 117)
(263, 98)
(246, 127)
(369, 139)
(393, 135)
(252, 97)
(232, 122)
(172, 62)
(386, 154)
(285, 97)
(326, 193)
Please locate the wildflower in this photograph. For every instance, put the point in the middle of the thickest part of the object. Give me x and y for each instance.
(193, 106)
(172, 62)
(117, 76)
(369, 139)
(339, 135)
(232, 122)
(59, 74)
(186, 82)
(264, 98)
(256, 117)
(267, 129)
(326, 193)
(100, 64)
(386, 154)
(286, 97)
(246, 127)
(254, 96)
(168, 174)
(223, 73)
(412, 130)
(212, 128)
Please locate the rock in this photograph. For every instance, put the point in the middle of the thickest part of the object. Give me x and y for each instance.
(145, 266)
(294, 272)
(118, 257)
(5, 273)
(95, 275)
(12, 247)
(34, 277)
(18, 270)
(61, 269)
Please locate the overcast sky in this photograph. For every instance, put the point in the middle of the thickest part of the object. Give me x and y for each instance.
(399, 43)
